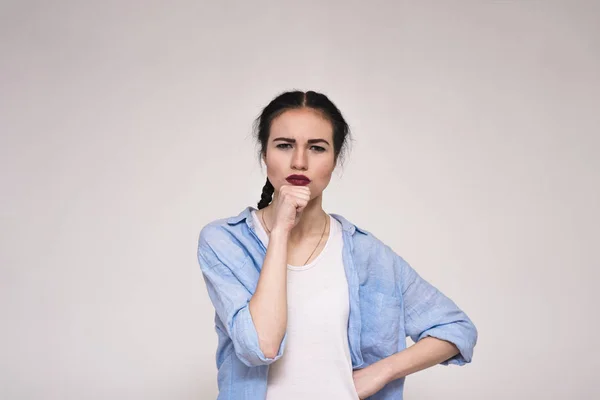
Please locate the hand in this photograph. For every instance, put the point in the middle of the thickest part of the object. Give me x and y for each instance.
(290, 204)
(370, 380)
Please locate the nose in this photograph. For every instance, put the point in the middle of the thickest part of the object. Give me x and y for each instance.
(299, 159)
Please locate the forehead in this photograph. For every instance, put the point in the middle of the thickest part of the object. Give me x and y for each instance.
(301, 123)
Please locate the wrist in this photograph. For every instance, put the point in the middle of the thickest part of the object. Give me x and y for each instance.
(278, 232)
(386, 369)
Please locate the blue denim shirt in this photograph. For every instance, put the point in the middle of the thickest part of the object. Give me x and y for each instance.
(389, 301)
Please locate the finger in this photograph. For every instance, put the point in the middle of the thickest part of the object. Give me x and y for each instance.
(302, 192)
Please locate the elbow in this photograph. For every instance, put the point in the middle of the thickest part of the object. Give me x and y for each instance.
(467, 339)
(270, 350)
(248, 347)
(269, 338)
(254, 355)
(270, 353)
(462, 334)
(470, 333)
(270, 343)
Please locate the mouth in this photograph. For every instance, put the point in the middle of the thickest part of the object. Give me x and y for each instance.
(298, 180)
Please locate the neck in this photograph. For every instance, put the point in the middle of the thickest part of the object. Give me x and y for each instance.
(311, 223)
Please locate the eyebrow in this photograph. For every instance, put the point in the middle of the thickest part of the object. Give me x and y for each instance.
(310, 141)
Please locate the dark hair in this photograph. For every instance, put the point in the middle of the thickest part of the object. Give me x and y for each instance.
(297, 99)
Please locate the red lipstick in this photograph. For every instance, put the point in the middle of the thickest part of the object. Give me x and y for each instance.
(298, 180)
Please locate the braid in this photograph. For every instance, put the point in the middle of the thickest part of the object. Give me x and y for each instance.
(267, 195)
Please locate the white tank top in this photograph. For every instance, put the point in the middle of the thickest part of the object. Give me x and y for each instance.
(316, 362)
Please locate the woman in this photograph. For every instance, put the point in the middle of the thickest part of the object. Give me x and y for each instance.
(307, 304)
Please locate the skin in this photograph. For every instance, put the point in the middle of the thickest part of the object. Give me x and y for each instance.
(296, 215)
(314, 160)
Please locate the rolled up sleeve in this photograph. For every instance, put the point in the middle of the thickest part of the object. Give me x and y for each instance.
(230, 299)
(428, 312)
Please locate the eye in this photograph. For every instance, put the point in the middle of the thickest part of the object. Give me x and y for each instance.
(283, 146)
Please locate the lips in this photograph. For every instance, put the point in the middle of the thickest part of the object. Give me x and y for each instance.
(298, 180)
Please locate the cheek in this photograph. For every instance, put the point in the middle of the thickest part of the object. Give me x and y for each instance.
(275, 161)
(324, 171)
(326, 167)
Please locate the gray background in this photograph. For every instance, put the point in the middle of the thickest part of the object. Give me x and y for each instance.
(126, 126)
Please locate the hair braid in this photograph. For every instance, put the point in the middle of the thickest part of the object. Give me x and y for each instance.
(267, 195)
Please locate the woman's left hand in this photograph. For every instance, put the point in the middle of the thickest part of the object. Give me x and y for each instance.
(370, 380)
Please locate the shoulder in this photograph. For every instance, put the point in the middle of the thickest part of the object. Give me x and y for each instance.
(368, 247)
(224, 240)
(222, 228)
(212, 231)
(364, 240)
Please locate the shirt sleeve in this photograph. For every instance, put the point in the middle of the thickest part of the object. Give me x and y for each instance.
(230, 299)
(428, 312)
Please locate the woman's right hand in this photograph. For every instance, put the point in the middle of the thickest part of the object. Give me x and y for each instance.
(290, 204)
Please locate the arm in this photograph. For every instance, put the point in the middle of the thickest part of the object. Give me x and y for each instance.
(255, 323)
(425, 353)
(443, 334)
(428, 312)
(268, 306)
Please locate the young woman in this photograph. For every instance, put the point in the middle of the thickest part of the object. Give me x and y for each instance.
(307, 304)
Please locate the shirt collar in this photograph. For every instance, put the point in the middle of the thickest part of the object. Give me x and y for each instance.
(346, 225)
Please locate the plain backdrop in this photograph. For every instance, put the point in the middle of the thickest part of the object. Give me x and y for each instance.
(126, 127)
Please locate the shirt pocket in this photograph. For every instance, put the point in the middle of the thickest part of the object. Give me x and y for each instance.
(381, 322)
